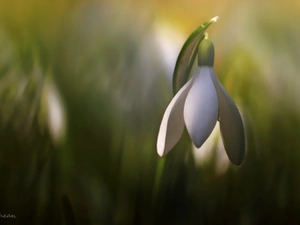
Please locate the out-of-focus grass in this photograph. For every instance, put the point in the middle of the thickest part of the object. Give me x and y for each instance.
(82, 91)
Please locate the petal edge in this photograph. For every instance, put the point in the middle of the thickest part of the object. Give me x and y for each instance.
(172, 124)
(231, 124)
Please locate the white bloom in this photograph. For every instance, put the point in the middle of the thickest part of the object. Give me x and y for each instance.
(52, 112)
(198, 105)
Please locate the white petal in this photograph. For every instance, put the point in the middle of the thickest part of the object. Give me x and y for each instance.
(201, 107)
(231, 124)
(172, 124)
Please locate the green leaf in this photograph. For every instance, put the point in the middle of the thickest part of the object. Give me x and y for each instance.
(68, 211)
(188, 54)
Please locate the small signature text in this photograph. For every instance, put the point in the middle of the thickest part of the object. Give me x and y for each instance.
(7, 216)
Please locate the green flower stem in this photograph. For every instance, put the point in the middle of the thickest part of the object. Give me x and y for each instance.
(158, 176)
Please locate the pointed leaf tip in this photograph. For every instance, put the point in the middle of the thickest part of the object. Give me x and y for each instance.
(215, 19)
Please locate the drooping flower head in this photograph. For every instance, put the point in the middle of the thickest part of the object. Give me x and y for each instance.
(199, 104)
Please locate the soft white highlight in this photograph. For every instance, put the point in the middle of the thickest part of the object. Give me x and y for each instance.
(215, 19)
(56, 114)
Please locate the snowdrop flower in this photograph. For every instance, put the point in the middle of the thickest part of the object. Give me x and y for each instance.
(198, 105)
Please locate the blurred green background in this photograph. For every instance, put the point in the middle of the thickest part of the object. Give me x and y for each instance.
(84, 85)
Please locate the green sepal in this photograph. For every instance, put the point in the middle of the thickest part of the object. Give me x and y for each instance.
(188, 54)
(206, 53)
